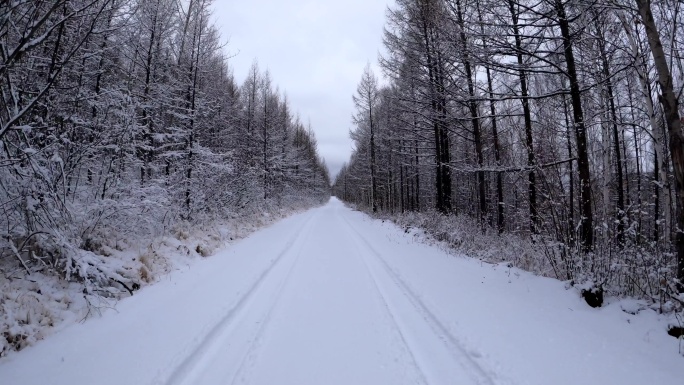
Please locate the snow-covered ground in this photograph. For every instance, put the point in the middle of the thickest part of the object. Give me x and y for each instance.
(331, 296)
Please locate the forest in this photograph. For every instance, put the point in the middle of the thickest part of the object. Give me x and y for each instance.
(122, 120)
(543, 133)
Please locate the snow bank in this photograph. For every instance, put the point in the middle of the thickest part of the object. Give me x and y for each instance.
(529, 329)
(633, 275)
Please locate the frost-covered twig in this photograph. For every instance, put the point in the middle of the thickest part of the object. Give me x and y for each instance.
(16, 253)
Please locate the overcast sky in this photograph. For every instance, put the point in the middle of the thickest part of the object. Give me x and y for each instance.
(315, 50)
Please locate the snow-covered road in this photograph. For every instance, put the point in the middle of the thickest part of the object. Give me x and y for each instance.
(332, 297)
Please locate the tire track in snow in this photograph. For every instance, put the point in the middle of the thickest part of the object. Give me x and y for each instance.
(250, 356)
(455, 348)
(207, 345)
(387, 307)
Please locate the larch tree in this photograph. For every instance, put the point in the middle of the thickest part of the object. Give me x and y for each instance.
(366, 101)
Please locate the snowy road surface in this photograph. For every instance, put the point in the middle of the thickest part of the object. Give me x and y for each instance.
(332, 297)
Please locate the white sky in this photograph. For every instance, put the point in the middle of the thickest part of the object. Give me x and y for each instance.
(315, 50)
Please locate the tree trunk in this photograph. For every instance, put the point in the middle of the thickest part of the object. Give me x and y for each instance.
(374, 186)
(529, 141)
(438, 105)
(670, 104)
(474, 117)
(620, 207)
(586, 213)
(571, 174)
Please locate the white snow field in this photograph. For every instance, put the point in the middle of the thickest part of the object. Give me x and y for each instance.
(331, 296)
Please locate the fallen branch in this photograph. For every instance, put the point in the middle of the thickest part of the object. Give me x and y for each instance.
(16, 253)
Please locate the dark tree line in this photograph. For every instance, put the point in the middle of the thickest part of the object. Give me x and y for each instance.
(557, 120)
(122, 118)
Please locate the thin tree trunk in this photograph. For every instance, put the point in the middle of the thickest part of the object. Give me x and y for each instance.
(529, 141)
(586, 211)
(374, 186)
(437, 104)
(571, 174)
(616, 139)
(500, 220)
(637, 158)
(474, 117)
